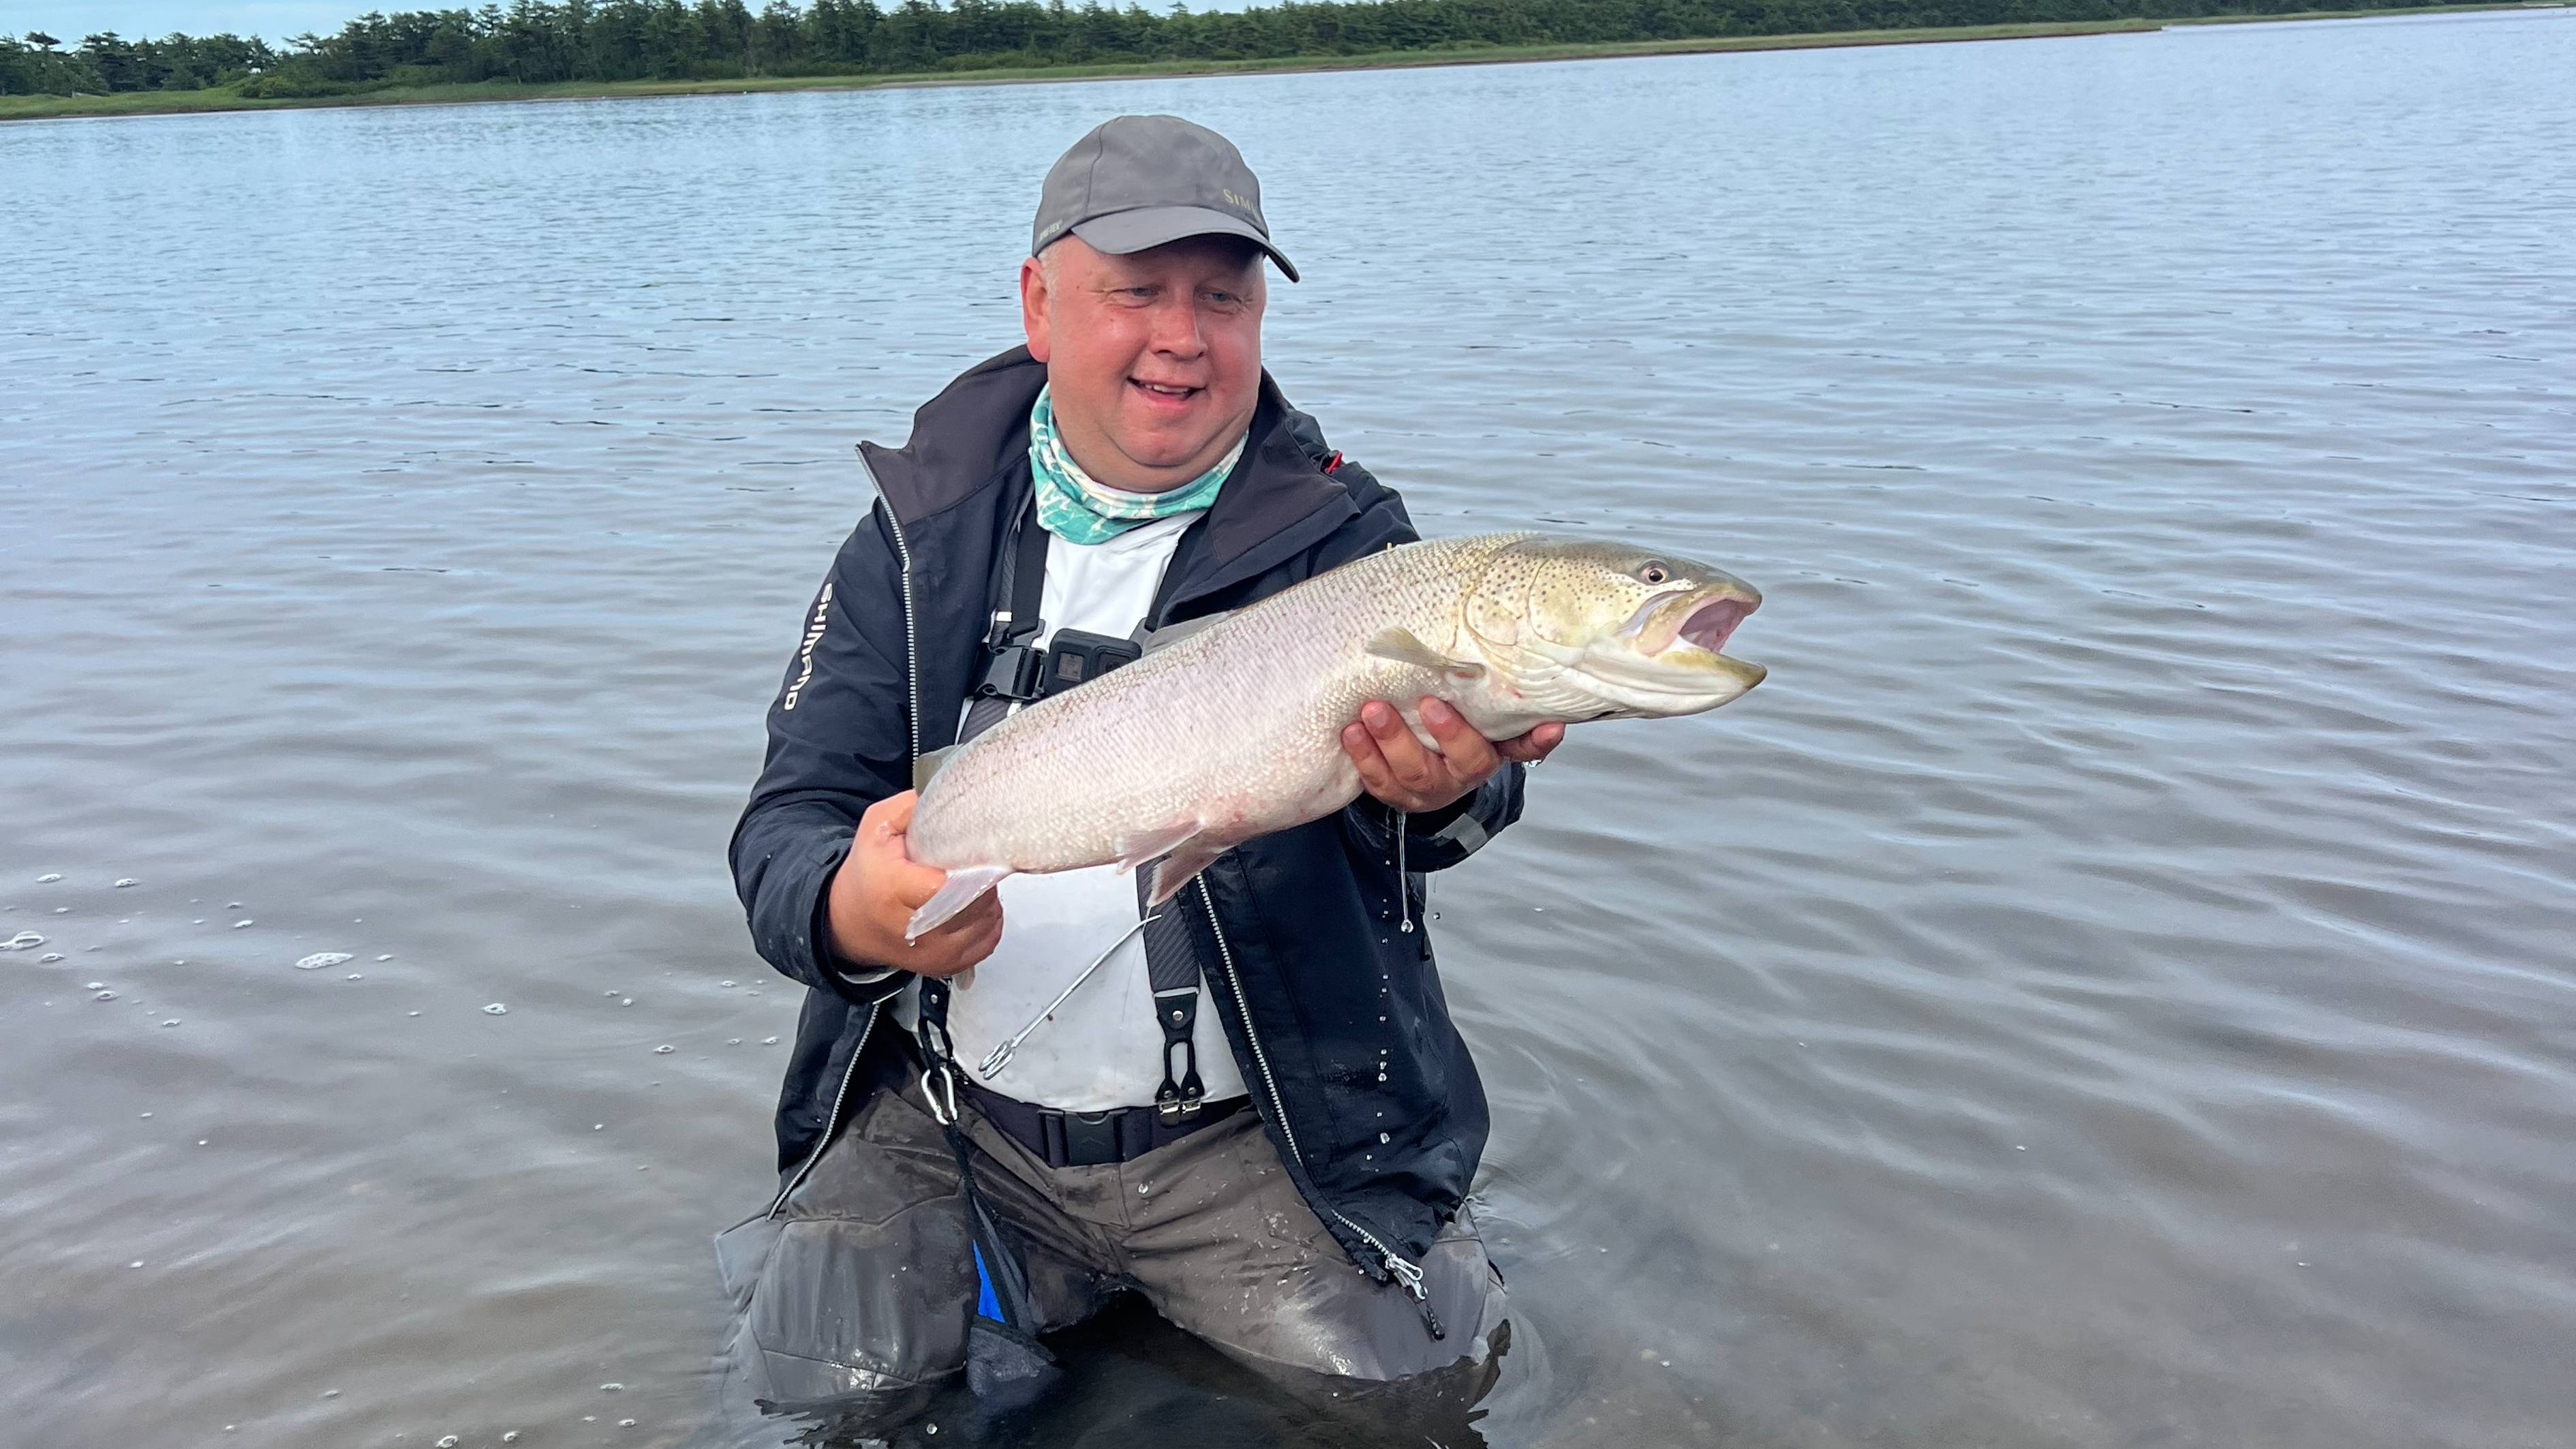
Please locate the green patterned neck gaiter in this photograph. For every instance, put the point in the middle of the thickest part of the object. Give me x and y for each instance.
(1075, 507)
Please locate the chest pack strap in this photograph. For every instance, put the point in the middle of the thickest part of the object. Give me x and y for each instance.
(1014, 667)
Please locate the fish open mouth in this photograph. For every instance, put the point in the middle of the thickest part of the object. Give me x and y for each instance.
(1709, 625)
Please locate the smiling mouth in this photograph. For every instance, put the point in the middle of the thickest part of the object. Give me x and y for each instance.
(1174, 391)
(1709, 625)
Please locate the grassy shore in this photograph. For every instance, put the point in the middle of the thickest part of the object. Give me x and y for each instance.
(136, 103)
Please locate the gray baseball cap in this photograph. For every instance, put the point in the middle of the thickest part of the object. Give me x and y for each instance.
(1140, 181)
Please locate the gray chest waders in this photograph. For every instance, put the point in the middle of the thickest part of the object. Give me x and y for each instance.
(1006, 1365)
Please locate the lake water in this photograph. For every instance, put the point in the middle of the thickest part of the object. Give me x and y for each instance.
(2112, 986)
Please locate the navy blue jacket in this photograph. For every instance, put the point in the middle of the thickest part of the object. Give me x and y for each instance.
(1334, 1012)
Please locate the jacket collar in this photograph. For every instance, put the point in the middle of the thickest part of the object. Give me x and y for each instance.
(974, 437)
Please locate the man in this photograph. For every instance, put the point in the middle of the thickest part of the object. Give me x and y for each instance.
(1283, 1172)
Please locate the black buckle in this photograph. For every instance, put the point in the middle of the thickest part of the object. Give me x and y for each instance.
(1081, 1139)
(1017, 672)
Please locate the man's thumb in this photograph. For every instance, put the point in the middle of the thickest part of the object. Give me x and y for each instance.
(894, 813)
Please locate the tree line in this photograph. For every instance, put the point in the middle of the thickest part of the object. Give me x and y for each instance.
(540, 41)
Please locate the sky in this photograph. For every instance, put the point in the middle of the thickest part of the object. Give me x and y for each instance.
(273, 20)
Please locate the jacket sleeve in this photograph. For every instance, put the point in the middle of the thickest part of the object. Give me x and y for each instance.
(840, 739)
(1442, 838)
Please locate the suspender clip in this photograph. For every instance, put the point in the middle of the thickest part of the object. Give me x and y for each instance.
(1177, 1012)
(1016, 672)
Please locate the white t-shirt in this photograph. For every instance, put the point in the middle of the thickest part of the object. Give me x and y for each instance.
(1103, 1048)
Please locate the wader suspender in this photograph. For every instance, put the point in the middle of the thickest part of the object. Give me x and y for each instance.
(1171, 963)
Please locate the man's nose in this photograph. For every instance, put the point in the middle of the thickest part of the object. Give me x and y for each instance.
(1176, 328)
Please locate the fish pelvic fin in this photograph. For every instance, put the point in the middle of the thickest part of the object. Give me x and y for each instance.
(1401, 646)
(1138, 847)
(963, 886)
(1181, 867)
(930, 764)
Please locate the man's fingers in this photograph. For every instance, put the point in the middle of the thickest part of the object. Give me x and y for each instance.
(1469, 754)
(1361, 746)
(1413, 767)
(960, 943)
(1532, 747)
(911, 885)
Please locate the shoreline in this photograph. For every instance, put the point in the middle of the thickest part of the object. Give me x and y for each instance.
(163, 103)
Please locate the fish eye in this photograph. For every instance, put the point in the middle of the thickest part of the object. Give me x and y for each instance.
(1654, 573)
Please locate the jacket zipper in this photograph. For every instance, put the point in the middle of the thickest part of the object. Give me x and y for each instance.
(1405, 1274)
(912, 701)
(833, 1123)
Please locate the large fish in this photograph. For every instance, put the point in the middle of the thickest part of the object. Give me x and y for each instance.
(1235, 730)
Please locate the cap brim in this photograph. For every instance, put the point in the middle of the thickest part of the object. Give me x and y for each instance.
(1122, 232)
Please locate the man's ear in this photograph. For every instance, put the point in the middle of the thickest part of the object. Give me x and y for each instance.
(1033, 307)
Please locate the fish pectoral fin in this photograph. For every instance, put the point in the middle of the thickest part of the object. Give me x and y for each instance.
(1138, 847)
(963, 886)
(1181, 867)
(930, 764)
(1400, 646)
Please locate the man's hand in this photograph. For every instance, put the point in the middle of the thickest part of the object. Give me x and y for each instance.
(878, 887)
(1396, 768)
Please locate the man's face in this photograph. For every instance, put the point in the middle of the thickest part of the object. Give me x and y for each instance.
(1153, 358)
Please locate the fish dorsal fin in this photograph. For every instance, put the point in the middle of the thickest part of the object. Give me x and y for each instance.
(1400, 646)
(930, 764)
